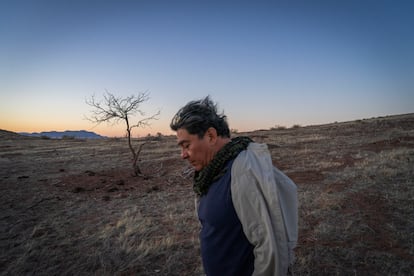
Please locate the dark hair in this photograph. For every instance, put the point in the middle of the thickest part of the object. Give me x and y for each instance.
(198, 116)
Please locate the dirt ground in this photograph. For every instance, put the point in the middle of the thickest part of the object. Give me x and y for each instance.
(73, 206)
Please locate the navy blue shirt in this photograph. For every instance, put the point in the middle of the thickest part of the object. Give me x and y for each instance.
(225, 250)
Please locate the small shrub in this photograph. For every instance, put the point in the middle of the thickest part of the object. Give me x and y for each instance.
(278, 127)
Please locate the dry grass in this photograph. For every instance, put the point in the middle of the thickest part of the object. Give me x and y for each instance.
(73, 207)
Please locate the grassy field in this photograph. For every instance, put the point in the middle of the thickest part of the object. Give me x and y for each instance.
(72, 207)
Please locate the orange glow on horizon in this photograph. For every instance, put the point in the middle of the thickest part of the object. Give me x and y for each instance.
(117, 130)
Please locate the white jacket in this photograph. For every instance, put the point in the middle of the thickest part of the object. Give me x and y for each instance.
(265, 200)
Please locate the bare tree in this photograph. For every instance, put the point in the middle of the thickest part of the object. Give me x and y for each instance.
(116, 109)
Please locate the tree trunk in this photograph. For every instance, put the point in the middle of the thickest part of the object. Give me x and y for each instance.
(135, 166)
(135, 155)
(137, 169)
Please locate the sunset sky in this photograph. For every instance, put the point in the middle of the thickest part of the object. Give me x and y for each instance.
(266, 63)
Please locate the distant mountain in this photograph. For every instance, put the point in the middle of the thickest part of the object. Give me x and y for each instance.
(78, 134)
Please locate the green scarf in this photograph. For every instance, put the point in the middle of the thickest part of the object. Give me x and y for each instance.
(215, 169)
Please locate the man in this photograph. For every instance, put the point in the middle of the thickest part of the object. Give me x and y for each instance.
(247, 207)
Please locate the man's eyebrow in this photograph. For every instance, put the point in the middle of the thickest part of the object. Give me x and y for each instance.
(180, 143)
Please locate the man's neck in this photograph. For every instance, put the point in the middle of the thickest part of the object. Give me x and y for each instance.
(221, 142)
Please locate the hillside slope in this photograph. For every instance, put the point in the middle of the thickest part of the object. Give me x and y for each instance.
(73, 206)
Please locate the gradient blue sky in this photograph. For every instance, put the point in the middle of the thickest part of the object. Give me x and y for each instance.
(266, 63)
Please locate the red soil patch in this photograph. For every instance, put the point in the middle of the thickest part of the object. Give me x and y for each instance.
(119, 183)
(336, 187)
(306, 177)
(373, 210)
(106, 184)
(378, 146)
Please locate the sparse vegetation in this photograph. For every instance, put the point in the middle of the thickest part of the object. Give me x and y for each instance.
(73, 208)
(278, 127)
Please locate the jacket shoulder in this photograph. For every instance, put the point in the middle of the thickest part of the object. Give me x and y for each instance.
(256, 156)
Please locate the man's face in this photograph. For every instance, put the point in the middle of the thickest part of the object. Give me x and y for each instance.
(198, 151)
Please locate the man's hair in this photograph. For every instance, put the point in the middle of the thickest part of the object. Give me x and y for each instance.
(198, 116)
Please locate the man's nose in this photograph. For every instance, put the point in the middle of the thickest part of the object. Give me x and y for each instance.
(184, 154)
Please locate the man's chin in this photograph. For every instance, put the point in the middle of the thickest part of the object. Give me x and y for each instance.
(197, 168)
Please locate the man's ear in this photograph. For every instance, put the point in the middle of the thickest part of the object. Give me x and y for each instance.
(211, 134)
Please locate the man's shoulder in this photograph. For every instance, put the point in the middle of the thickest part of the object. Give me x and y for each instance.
(257, 147)
(256, 156)
(253, 151)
